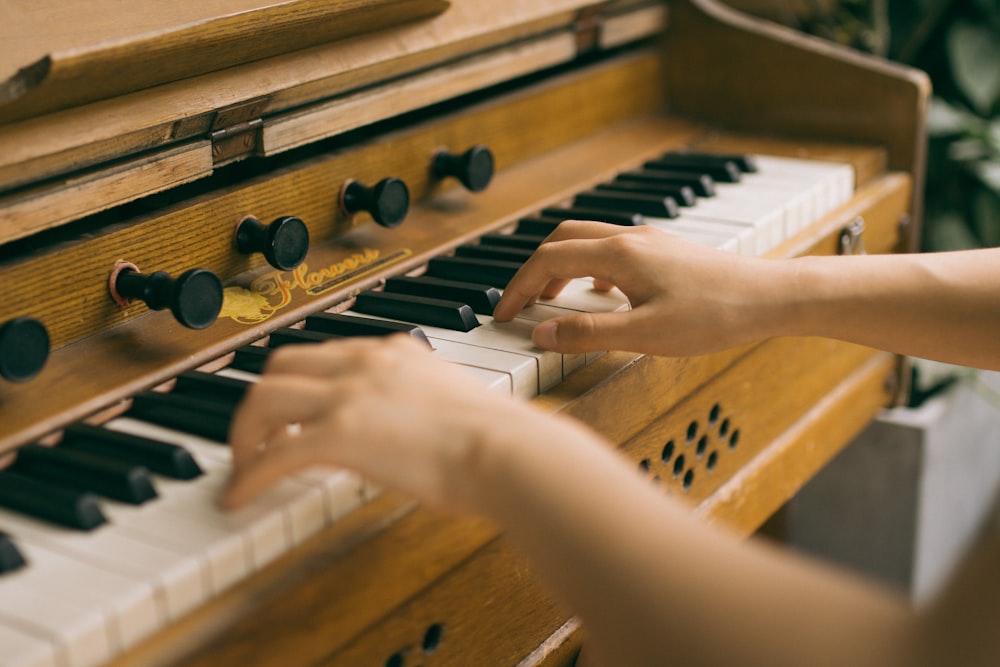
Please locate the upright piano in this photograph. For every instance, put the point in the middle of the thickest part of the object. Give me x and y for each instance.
(184, 186)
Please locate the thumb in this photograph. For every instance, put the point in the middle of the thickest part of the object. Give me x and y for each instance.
(585, 332)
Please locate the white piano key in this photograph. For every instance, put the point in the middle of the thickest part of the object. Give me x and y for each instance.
(285, 515)
(176, 578)
(513, 336)
(521, 370)
(767, 220)
(731, 237)
(238, 374)
(836, 179)
(128, 603)
(343, 490)
(499, 382)
(79, 634)
(580, 295)
(21, 649)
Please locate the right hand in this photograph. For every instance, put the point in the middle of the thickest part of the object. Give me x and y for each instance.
(686, 299)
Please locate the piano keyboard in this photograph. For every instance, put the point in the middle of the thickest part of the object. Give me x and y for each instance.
(83, 596)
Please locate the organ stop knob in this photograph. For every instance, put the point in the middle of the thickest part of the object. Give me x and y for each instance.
(473, 168)
(195, 297)
(284, 243)
(24, 348)
(388, 201)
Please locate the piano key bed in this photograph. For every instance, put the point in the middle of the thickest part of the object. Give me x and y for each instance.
(124, 544)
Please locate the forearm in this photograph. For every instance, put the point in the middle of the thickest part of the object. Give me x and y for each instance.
(943, 306)
(656, 586)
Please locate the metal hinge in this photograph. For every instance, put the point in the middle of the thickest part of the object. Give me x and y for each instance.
(851, 242)
(236, 131)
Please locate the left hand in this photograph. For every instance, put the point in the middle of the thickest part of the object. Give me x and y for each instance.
(386, 408)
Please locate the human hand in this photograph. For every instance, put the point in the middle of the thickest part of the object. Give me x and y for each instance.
(686, 299)
(386, 408)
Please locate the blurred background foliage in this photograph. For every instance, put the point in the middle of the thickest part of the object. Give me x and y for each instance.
(957, 42)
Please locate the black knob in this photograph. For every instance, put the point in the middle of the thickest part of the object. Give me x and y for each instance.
(284, 242)
(24, 348)
(474, 167)
(387, 201)
(195, 298)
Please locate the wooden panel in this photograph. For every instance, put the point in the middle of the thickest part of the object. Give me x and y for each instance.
(63, 201)
(56, 143)
(109, 53)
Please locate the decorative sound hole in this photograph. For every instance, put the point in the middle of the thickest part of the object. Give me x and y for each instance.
(432, 638)
(718, 435)
(395, 660)
(668, 451)
(678, 465)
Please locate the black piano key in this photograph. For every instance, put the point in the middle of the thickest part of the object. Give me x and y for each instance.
(722, 171)
(352, 325)
(537, 226)
(629, 202)
(163, 458)
(214, 387)
(600, 215)
(480, 297)
(524, 241)
(195, 415)
(451, 315)
(10, 558)
(289, 336)
(702, 184)
(73, 469)
(50, 502)
(745, 163)
(492, 272)
(503, 253)
(682, 194)
(250, 358)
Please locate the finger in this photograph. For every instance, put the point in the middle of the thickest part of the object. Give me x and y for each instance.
(602, 285)
(253, 477)
(554, 264)
(590, 332)
(272, 404)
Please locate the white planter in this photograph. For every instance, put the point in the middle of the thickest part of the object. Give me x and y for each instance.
(906, 498)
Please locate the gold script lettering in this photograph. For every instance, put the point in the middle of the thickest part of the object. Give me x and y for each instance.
(273, 291)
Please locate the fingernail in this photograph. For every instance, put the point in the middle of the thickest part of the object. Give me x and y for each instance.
(545, 335)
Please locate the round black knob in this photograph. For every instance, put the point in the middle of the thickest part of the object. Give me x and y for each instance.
(387, 201)
(195, 298)
(24, 348)
(474, 167)
(284, 242)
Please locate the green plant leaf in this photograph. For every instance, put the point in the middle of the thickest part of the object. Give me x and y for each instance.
(988, 173)
(974, 53)
(945, 118)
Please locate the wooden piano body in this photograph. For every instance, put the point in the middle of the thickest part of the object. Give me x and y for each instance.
(155, 165)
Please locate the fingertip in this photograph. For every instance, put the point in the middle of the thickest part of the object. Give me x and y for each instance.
(545, 335)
